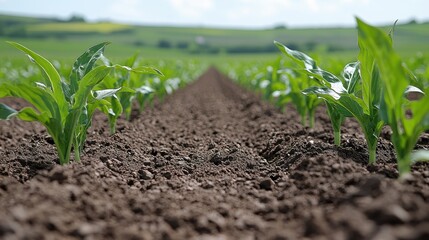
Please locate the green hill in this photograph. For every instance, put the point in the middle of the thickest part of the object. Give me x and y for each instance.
(54, 37)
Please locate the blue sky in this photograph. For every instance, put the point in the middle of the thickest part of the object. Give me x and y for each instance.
(227, 13)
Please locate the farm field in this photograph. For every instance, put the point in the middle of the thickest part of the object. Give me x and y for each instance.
(61, 40)
(212, 160)
(261, 145)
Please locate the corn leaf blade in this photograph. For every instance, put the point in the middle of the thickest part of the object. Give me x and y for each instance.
(300, 57)
(85, 63)
(51, 75)
(7, 112)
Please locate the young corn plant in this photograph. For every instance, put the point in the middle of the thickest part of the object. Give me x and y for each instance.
(271, 80)
(407, 119)
(130, 86)
(298, 86)
(144, 92)
(65, 108)
(343, 99)
(295, 82)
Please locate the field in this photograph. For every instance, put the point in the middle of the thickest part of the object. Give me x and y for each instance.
(214, 145)
(162, 42)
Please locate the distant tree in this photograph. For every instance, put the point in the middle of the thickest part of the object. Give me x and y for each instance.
(411, 21)
(76, 18)
(182, 45)
(310, 46)
(18, 32)
(164, 43)
(280, 26)
(252, 49)
(138, 43)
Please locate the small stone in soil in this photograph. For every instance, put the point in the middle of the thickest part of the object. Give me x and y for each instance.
(208, 185)
(266, 184)
(167, 175)
(145, 174)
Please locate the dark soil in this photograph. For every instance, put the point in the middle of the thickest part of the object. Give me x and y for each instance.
(210, 162)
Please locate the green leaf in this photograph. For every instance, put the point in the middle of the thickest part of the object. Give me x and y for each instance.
(371, 83)
(42, 100)
(140, 70)
(145, 90)
(100, 94)
(392, 31)
(132, 60)
(127, 89)
(351, 75)
(53, 79)
(298, 56)
(348, 105)
(29, 114)
(87, 83)
(420, 116)
(387, 61)
(322, 91)
(4, 92)
(7, 112)
(329, 79)
(84, 64)
(148, 70)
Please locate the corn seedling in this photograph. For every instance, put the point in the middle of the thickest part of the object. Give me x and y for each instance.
(300, 86)
(65, 108)
(295, 82)
(343, 99)
(131, 86)
(407, 119)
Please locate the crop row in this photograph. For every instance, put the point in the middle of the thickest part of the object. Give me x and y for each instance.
(65, 105)
(377, 90)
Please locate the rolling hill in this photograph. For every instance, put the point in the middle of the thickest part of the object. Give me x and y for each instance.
(54, 37)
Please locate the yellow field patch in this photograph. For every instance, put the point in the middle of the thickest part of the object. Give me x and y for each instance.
(78, 27)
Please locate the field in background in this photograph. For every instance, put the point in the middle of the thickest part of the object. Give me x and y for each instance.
(61, 39)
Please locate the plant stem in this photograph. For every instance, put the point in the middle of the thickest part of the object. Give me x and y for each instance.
(337, 137)
(61, 154)
(77, 156)
(403, 165)
(336, 120)
(58, 145)
(372, 154)
(112, 126)
(303, 119)
(371, 142)
(311, 118)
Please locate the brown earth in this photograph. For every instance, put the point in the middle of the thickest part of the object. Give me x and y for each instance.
(210, 162)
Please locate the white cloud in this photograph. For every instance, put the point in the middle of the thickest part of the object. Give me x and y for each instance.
(355, 2)
(192, 8)
(332, 6)
(290, 10)
(313, 5)
(258, 8)
(126, 9)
